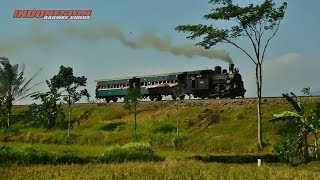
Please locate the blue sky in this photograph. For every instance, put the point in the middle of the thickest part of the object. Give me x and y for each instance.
(292, 60)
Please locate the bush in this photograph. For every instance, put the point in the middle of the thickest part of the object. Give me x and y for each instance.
(130, 152)
(25, 156)
(68, 157)
(35, 156)
(163, 127)
(8, 155)
(285, 147)
(179, 140)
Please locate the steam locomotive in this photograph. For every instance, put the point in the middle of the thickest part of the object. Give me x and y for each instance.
(209, 83)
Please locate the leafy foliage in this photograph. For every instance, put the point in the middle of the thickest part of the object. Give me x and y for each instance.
(69, 83)
(50, 111)
(305, 123)
(13, 86)
(306, 91)
(252, 21)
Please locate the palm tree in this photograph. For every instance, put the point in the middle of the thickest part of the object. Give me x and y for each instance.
(303, 121)
(13, 85)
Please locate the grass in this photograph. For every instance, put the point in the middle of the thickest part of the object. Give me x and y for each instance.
(169, 169)
(208, 129)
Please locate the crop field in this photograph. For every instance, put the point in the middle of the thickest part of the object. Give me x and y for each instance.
(205, 139)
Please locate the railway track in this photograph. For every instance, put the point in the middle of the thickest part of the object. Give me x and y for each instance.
(249, 100)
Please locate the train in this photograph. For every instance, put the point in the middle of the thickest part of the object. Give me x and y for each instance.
(208, 83)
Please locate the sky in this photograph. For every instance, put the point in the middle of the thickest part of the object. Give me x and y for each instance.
(98, 48)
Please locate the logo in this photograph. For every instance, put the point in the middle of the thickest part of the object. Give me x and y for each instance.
(54, 14)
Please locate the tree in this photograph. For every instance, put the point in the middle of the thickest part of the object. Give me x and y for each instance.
(306, 91)
(70, 84)
(13, 85)
(257, 23)
(301, 120)
(131, 101)
(50, 110)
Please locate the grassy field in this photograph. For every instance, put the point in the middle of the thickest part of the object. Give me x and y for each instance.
(214, 128)
(169, 169)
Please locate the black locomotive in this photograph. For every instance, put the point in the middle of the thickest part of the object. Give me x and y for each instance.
(216, 83)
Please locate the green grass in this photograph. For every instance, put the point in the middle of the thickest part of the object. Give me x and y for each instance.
(206, 128)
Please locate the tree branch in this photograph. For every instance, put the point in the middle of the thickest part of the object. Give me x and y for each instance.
(265, 47)
(241, 50)
(253, 44)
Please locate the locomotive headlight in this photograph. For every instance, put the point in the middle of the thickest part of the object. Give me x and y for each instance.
(228, 81)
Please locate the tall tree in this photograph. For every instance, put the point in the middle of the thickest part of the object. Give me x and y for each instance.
(257, 23)
(13, 85)
(131, 101)
(70, 84)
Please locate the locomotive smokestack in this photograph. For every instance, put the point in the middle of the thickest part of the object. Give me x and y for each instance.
(231, 68)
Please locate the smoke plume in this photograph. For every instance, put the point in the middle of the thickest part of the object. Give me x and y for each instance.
(147, 39)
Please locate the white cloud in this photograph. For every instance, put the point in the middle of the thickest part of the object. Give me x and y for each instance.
(289, 58)
(289, 72)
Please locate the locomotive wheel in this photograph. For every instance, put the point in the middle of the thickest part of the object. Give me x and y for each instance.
(108, 100)
(159, 98)
(174, 97)
(115, 99)
(151, 98)
(182, 97)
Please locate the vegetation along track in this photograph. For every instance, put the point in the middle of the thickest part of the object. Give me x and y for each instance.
(237, 101)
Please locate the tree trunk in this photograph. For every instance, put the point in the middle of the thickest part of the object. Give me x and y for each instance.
(316, 145)
(69, 124)
(305, 145)
(178, 127)
(8, 119)
(9, 111)
(259, 85)
(135, 122)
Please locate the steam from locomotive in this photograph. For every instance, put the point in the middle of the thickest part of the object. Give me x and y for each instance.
(147, 39)
(209, 83)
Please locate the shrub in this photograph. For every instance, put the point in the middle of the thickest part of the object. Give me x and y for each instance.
(285, 147)
(68, 157)
(130, 152)
(163, 127)
(179, 140)
(32, 155)
(8, 154)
